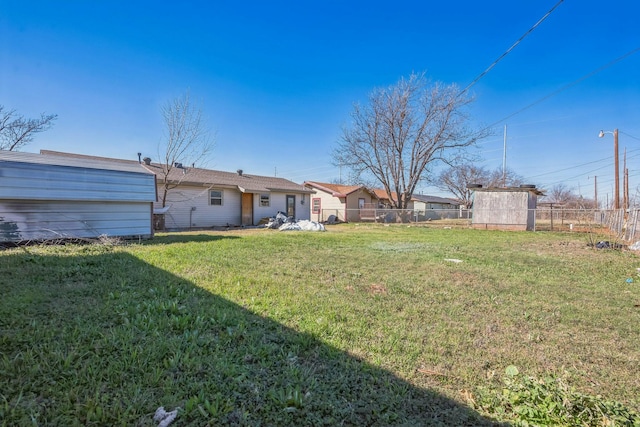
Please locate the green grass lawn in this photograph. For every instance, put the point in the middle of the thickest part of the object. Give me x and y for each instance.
(360, 325)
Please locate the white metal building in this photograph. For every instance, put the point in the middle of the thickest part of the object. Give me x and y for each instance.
(44, 197)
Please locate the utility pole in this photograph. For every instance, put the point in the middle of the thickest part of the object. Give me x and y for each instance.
(504, 159)
(595, 191)
(625, 182)
(617, 169)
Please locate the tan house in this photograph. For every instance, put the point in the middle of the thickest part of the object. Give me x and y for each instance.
(386, 202)
(349, 203)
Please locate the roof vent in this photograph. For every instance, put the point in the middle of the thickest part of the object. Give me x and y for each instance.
(239, 172)
(147, 160)
(177, 165)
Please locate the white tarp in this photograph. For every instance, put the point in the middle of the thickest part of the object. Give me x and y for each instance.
(302, 225)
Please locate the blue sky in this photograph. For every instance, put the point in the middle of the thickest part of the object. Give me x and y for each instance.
(277, 80)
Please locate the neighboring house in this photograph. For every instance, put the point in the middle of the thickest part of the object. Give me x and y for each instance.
(386, 202)
(45, 197)
(421, 206)
(204, 198)
(505, 208)
(349, 203)
(433, 207)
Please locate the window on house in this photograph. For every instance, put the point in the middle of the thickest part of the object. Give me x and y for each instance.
(215, 197)
(315, 205)
(264, 200)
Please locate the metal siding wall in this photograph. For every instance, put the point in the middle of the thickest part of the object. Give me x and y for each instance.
(41, 220)
(30, 181)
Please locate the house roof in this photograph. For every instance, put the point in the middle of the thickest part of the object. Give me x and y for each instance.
(434, 199)
(87, 163)
(207, 177)
(246, 183)
(381, 193)
(337, 190)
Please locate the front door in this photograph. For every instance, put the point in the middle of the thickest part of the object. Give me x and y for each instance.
(247, 209)
(291, 206)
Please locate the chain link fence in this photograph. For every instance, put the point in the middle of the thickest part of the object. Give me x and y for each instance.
(621, 224)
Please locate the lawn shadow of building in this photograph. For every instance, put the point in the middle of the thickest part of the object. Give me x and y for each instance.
(104, 338)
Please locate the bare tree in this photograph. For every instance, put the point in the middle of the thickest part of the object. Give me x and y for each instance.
(560, 193)
(187, 141)
(457, 180)
(16, 131)
(402, 131)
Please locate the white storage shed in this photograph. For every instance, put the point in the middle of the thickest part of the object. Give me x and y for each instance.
(45, 197)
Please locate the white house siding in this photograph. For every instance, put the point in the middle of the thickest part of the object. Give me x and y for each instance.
(278, 203)
(329, 205)
(181, 202)
(43, 197)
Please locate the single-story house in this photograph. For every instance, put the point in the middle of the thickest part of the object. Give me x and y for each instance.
(205, 198)
(422, 207)
(511, 208)
(385, 201)
(433, 207)
(46, 197)
(349, 203)
(209, 198)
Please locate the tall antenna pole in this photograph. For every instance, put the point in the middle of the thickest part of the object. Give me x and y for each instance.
(595, 190)
(504, 159)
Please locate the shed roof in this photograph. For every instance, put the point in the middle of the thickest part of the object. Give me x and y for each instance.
(88, 163)
(525, 188)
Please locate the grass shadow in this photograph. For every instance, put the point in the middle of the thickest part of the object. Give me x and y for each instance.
(102, 338)
(167, 238)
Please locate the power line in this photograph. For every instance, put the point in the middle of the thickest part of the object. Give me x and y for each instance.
(567, 86)
(481, 75)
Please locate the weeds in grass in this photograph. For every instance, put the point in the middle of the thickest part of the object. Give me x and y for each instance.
(529, 401)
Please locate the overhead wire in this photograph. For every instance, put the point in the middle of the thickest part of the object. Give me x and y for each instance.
(567, 86)
(490, 67)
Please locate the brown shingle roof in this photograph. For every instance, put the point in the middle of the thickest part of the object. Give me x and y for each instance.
(337, 190)
(207, 177)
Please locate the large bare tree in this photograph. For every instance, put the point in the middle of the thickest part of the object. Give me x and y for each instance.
(16, 131)
(402, 131)
(457, 179)
(187, 140)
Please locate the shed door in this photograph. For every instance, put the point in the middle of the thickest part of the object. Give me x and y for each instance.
(247, 208)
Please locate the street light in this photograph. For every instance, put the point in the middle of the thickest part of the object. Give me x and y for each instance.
(616, 196)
